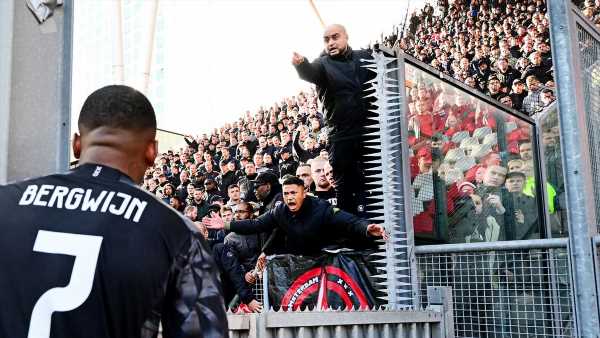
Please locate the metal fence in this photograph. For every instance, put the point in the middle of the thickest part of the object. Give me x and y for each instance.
(356, 324)
(510, 289)
(589, 58)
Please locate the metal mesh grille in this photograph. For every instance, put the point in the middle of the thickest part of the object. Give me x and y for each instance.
(589, 52)
(258, 290)
(522, 293)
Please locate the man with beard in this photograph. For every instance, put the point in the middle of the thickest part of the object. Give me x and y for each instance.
(323, 188)
(197, 199)
(246, 183)
(340, 78)
(236, 259)
(494, 88)
(306, 224)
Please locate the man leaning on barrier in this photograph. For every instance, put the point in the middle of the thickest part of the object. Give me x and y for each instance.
(307, 223)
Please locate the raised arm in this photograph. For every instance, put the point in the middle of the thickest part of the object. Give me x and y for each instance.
(311, 72)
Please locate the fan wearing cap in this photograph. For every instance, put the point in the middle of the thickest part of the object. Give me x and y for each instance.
(267, 191)
(307, 224)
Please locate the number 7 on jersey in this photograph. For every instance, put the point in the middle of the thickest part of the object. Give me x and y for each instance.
(86, 249)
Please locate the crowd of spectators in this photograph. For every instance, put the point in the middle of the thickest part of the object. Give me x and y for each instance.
(236, 173)
(590, 9)
(472, 167)
(474, 155)
(498, 47)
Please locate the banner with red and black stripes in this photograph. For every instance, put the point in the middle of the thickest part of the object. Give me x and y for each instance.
(337, 281)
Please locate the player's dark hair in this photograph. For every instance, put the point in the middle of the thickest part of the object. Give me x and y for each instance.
(117, 106)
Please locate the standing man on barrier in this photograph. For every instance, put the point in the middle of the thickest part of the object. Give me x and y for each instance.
(307, 224)
(89, 254)
(339, 78)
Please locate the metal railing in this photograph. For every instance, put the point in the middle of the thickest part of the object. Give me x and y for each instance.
(434, 322)
(503, 289)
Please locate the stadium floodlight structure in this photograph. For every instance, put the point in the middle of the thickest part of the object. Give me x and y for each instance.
(384, 168)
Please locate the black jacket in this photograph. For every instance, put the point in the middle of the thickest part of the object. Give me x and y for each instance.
(232, 274)
(301, 154)
(247, 248)
(287, 167)
(340, 84)
(314, 227)
(224, 181)
(141, 261)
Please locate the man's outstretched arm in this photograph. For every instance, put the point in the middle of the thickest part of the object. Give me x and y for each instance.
(311, 72)
(263, 223)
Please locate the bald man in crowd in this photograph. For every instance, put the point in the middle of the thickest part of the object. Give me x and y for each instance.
(340, 82)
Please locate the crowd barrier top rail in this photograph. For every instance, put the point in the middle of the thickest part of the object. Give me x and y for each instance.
(551, 243)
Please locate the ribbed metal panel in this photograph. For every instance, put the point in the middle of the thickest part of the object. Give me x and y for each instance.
(338, 324)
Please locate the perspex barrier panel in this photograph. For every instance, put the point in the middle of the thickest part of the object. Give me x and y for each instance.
(473, 167)
(552, 161)
(516, 293)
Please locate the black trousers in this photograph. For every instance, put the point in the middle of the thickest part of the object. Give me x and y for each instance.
(345, 159)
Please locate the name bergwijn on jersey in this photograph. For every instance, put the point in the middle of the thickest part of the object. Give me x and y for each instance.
(56, 196)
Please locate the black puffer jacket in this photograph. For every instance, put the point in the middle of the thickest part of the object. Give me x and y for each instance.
(247, 248)
(341, 87)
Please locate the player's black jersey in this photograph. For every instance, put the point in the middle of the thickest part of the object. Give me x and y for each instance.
(90, 255)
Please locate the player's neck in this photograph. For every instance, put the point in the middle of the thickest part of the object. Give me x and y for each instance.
(113, 158)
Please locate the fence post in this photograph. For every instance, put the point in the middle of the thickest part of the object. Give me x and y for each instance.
(440, 299)
(577, 168)
(35, 90)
